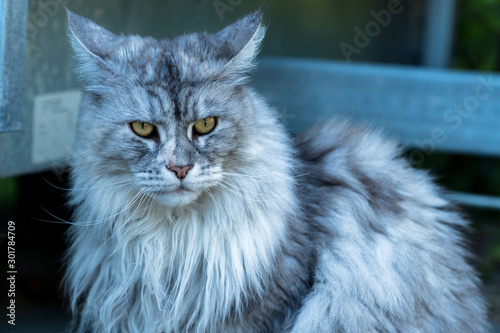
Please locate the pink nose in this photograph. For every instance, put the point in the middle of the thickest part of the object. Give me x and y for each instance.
(180, 172)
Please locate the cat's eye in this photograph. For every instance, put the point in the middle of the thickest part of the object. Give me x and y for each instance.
(205, 126)
(142, 129)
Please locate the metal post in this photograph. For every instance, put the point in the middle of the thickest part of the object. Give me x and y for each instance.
(438, 34)
(13, 20)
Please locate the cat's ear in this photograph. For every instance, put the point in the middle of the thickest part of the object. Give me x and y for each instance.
(240, 42)
(91, 43)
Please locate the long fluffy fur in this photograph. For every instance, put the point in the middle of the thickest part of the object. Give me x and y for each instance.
(331, 232)
(143, 267)
(393, 256)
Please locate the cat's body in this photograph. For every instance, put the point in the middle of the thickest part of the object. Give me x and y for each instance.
(241, 229)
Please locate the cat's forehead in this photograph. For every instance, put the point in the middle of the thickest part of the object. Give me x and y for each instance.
(157, 78)
(173, 101)
(187, 60)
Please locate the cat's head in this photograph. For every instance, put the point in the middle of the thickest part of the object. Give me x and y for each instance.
(175, 115)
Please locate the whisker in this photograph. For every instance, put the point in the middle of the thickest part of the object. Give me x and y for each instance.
(240, 195)
(122, 225)
(210, 194)
(256, 194)
(121, 183)
(96, 222)
(224, 173)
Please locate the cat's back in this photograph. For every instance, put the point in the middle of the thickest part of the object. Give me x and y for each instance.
(390, 252)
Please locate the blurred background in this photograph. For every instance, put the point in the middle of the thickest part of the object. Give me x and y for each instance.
(39, 96)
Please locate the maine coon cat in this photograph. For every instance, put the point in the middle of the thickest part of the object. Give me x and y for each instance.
(196, 212)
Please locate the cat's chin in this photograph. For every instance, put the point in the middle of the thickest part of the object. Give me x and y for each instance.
(179, 197)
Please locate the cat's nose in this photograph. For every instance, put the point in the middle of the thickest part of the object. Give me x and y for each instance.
(180, 172)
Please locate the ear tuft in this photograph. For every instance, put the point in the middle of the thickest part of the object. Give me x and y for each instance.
(89, 37)
(93, 47)
(240, 42)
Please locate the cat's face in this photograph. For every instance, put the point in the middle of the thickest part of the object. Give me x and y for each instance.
(173, 115)
(175, 148)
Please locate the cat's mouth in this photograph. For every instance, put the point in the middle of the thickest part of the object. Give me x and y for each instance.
(181, 190)
(178, 196)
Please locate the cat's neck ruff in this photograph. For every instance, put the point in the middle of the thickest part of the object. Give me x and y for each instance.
(198, 263)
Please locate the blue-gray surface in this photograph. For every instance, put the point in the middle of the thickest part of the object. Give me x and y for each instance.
(424, 108)
(13, 18)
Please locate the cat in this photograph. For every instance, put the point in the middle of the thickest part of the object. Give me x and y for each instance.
(195, 210)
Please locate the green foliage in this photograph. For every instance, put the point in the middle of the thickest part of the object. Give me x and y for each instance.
(478, 35)
(9, 195)
(9, 191)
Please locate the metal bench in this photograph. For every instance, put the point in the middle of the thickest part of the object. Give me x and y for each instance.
(428, 110)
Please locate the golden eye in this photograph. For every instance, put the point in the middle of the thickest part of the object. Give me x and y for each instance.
(142, 129)
(205, 126)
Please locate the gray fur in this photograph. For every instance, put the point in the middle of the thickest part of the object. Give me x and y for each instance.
(330, 232)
